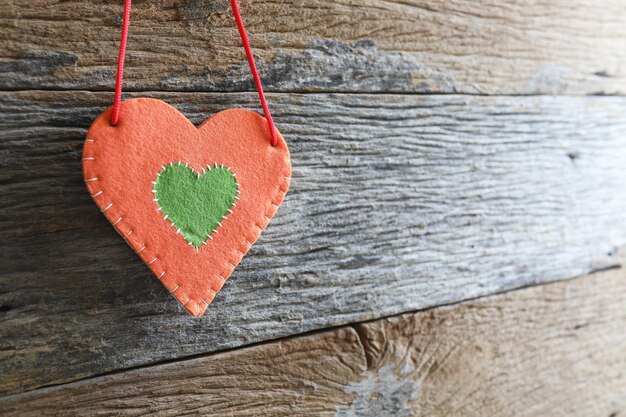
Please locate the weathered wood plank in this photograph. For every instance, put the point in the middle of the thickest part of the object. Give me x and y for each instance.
(433, 46)
(397, 203)
(548, 350)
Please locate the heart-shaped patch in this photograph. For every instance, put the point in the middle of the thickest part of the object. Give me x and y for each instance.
(172, 214)
(195, 203)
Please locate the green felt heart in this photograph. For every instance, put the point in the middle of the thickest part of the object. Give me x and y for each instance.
(195, 203)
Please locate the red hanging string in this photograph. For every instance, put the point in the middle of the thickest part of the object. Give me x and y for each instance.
(255, 73)
(117, 100)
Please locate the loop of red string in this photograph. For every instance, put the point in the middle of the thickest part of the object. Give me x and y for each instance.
(117, 100)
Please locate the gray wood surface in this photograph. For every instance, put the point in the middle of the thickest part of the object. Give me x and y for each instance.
(433, 46)
(398, 202)
(552, 350)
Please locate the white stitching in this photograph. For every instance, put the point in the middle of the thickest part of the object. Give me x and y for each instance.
(152, 261)
(130, 232)
(279, 190)
(166, 216)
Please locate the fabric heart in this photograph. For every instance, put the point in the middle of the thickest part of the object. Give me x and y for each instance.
(171, 214)
(195, 203)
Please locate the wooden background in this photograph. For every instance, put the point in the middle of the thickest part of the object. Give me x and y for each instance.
(452, 243)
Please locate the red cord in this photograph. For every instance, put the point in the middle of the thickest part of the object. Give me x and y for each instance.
(117, 100)
(255, 73)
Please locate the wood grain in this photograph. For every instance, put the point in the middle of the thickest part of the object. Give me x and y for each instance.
(397, 203)
(428, 46)
(554, 350)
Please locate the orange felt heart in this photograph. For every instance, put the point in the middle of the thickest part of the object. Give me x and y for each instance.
(120, 164)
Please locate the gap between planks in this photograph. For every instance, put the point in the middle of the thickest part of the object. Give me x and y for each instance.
(138, 92)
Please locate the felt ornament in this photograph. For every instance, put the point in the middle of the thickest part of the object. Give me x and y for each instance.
(189, 200)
